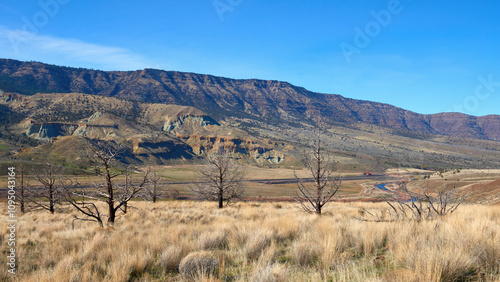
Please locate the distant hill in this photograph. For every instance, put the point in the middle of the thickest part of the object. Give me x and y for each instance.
(272, 102)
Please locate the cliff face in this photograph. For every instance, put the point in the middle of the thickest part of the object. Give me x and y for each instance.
(269, 101)
(48, 131)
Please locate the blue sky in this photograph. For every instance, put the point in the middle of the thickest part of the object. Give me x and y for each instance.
(422, 55)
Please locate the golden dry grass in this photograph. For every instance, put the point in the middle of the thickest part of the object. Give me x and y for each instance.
(257, 242)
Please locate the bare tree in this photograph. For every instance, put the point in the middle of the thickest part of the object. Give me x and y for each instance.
(151, 191)
(127, 187)
(326, 182)
(414, 206)
(116, 196)
(221, 179)
(408, 205)
(49, 195)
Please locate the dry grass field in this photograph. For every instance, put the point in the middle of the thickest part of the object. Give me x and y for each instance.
(195, 241)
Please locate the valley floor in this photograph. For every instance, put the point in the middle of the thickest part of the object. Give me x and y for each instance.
(255, 242)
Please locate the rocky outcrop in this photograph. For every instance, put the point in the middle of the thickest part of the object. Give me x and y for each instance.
(11, 97)
(49, 130)
(263, 157)
(191, 121)
(260, 153)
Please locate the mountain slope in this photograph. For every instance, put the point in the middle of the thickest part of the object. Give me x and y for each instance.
(272, 102)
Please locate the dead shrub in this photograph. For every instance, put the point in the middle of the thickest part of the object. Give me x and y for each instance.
(197, 264)
(170, 258)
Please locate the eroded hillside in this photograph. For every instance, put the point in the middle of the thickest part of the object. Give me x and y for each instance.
(155, 133)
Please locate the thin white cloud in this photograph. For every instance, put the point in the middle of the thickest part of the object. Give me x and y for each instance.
(29, 46)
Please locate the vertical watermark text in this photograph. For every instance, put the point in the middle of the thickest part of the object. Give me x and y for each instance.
(11, 221)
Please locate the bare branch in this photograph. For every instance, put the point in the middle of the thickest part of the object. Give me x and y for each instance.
(426, 206)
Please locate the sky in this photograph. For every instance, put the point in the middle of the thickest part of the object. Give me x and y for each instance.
(427, 56)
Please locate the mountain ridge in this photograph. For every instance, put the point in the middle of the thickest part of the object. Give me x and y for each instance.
(268, 101)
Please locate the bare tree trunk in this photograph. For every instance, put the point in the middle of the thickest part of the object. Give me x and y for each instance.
(127, 186)
(221, 201)
(110, 200)
(221, 187)
(318, 209)
(155, 192)
(111, 215)
(51, 199)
